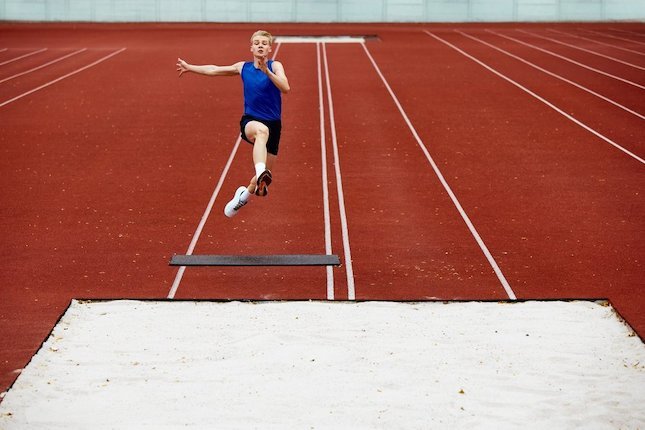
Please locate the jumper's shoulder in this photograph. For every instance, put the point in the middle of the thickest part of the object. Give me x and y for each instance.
(277, 67)
(238, 67)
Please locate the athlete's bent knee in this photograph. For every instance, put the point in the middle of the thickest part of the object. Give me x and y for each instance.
(262, 131)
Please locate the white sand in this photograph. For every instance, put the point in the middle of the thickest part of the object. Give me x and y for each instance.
(332, 365)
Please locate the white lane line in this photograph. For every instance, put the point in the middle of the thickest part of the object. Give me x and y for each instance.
(29, 54)
(202, 222)
(453, 197)
(325, 186)
(562, 57)
(617, 60)
(595, 41)
(63, 77)
(277, 49)
(43, 65)
(628, 32)
(209, 208)
(351, 289)
(553, 74)
(546, 102)
(614, 37)
(3, 49)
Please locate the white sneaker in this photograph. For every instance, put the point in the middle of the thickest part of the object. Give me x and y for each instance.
(231, 208)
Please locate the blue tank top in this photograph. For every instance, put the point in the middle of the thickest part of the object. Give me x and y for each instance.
(262, 99)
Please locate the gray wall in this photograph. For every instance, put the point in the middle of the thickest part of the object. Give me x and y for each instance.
(322, 10)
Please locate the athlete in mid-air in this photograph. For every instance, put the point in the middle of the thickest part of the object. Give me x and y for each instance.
(264, 82)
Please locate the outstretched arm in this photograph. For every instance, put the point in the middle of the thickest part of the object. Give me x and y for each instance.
(209, 70)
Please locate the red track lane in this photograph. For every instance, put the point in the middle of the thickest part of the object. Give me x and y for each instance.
(588, 45)
(600, 63)
(18, 86)
(559, 207)
(27, 62)
(608, 35)
(106, 174)
(407, 238)
(621, 92)
(614, 123)
(605, 39)
(16, 56)
(630, 34)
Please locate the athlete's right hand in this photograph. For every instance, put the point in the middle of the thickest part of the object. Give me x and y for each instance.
(182, 66)
(262, 64)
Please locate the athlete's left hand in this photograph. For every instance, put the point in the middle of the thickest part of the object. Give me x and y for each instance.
(262, 63)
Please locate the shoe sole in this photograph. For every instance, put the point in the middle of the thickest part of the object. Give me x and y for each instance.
(263, 182)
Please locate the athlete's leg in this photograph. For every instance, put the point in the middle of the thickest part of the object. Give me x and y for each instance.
(271, 159)
(258, 133)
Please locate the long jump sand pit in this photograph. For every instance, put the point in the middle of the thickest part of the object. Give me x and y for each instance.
(331, 365)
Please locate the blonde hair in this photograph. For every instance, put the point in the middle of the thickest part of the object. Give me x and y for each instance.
(263, 33)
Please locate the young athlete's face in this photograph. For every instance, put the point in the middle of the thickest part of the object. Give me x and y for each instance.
(260, 46)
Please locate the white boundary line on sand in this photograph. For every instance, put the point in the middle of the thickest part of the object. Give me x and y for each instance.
(209, 208)
(6, 102)
(325, 186)
(29, 54)
(44, 65)
(583, 49)
(562, 57)
(555, 75)
(543, 100)
(453, 197)
(351, 289)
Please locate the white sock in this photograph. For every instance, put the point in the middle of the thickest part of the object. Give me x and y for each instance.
(245, 195)
(259, 168)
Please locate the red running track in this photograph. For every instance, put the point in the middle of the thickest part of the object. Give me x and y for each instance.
(107, 172)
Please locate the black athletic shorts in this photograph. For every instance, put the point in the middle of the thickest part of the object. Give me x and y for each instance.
(275, 128)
